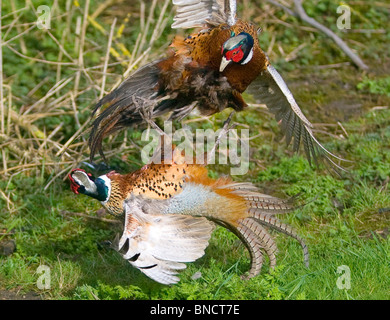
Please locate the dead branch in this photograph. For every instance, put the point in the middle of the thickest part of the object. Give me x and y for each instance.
(300, 12)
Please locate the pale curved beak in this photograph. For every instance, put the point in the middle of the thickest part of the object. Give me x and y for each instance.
(224, 63)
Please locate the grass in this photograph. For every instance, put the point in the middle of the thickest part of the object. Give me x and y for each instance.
(50, 85)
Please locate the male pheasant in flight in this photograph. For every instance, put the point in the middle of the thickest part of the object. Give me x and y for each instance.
(208, 70)
(168, 209)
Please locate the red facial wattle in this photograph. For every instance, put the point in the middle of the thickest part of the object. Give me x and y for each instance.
(73, 185)
(236, 54)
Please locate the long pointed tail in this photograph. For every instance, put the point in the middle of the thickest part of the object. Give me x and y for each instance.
(274, 223)
(256, 238)
(261, 216)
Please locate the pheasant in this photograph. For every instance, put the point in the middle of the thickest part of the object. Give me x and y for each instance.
(169, 210)
(208, 70)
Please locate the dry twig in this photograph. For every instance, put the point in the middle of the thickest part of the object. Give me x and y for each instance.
(300, 12)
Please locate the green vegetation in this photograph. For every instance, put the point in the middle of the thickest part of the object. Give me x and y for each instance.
(345, 220)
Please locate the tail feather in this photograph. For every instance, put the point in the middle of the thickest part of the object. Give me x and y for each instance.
(257, 238)
(259, 200)
(249, 239)
(244, 186)
(267, 204)
(270, 207)
(274, 223)
(264, 239)
(261, 211)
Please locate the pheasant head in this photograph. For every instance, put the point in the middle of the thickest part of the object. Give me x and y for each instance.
(108, 189)
(84, 183)
(238, 49)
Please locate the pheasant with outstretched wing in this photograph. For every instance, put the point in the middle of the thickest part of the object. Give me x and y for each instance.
(169, 209)
(208, 70)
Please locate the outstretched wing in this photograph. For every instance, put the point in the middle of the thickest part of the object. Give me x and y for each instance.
(124, 105)
(158, 244)
(269, 88)
(199, 13)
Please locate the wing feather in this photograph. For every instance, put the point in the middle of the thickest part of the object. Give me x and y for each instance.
(158, 244)
(119, 108)
(270, 88)
(201, 13)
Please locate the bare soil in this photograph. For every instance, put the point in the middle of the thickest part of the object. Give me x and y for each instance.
(12, 295)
